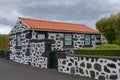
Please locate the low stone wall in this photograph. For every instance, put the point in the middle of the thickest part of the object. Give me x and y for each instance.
(101, 68)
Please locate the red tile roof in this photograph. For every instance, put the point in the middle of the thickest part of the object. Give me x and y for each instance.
(59, 26)
(102, 36)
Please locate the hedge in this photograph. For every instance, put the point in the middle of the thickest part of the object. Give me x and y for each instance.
(97, 52)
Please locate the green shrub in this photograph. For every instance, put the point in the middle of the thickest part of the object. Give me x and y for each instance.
(116, 42)
(101, 50)
(108, 47)
(97, 52)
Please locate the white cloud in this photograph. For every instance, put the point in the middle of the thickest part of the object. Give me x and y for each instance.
(114, 1)
(5, 29)
(76, 11)
(9, 14)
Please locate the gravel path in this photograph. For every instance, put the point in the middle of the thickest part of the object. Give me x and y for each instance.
(14, 71)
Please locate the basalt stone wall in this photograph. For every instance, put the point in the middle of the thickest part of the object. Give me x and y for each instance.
(101, 68)
(35, 53)
(18, 54)
(79, 40)
(28, 52)
(58, 37)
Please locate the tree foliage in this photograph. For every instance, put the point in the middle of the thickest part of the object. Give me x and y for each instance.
(4, 42)
(110, 28)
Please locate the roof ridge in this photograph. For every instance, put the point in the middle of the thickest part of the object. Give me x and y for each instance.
(51, 21)
(54, 25)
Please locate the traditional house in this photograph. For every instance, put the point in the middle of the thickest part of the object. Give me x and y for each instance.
(31, 38)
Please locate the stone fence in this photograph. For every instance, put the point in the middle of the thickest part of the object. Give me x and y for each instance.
(97, 67)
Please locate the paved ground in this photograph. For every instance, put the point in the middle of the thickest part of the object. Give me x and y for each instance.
(14, 71)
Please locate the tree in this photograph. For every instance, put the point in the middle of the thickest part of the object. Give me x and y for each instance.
(110, 28)
(4, 42)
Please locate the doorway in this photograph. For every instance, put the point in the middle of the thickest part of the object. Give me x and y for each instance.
(53, 60)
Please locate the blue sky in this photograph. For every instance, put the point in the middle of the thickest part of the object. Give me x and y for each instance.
(74, 11)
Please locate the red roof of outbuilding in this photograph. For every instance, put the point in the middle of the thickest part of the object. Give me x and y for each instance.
(59, 26)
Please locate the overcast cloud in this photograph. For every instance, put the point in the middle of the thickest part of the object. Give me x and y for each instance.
(76, 11)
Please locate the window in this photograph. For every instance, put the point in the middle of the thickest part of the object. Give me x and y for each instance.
(18, 41)
(68, 39)
(87, 39)
(41, 36)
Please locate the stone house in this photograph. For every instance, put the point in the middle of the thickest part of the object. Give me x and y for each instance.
(30, 39)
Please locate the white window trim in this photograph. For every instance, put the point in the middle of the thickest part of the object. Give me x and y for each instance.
(87, 38)
(41, 36)
(18, 41)
(65, 35)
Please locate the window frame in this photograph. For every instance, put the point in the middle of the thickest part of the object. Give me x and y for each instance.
(18, 40)
(87, 38)
(71, 43)
(38, 36)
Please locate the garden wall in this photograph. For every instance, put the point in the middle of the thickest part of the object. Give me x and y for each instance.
(98, 67)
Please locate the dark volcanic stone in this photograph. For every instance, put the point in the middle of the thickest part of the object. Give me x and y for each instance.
(63, 67)
(82, 64)
(106, 69)
(101, 78)
(89, 65)
(119, 64)
(57, 35)
(75, 58)
(81, 58)
(97, 66)
(58, 45)
(76, 69)
(80, 45)
(70, 64)
(87, 58)
(97, 73)
(92, 73)
(75, 44)
(111, 65)
(53, 45)
(72, 70)
(57, 38)
(87, 72)
(64, 62)
(76, 63)
(52, 36)
(101, 61)
(67, 69)
(81, 71)
(72, 60)
(113, 77)
(92, 59)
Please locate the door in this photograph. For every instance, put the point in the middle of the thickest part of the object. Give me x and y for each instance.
(53, 60)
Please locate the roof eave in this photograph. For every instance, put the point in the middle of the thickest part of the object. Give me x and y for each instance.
(65, 31)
